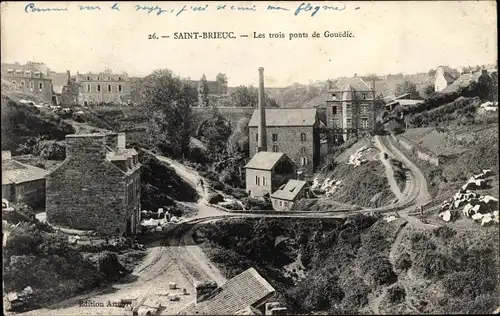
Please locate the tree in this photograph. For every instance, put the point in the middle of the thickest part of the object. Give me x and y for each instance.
(407, 87)
(222, 82)
(243, 96)
(203, 92)
(216, 133)
(484, 86)
(429, 90)
(168, 102)
(249, 96)
(432, 72)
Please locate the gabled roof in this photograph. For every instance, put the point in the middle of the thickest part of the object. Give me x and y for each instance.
(285, 117)
(248, 288)
(264, 160)
(447, 74)
(463, 81)
(15, 172)
(290, 191)
(349, 84)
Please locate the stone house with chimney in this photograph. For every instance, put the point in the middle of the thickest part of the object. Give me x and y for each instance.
(350, 107)
(295, 132)
(267, 171)
(22, 182)
(97, 187)
(65, 89)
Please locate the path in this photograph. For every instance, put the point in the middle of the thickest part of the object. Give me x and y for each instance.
(389, 171)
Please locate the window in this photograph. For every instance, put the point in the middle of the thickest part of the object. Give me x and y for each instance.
(364, 96)
(302, 137)
(334, 110)
(40, 85)
(22, 84)
(14, 82)
(303, 150)
(98, 78)
(32, 85)
(109, 78)
(349, 121)
(120, 88)
(275, 148)
(88, 77)
(364, 123)
(88, 88)
(109, 88)
(119, 78)
(256, 137)
(286, 204)
(257, 180)
(275, 137)
(98, 88)
(281, 203)
(264, 181)
(304, 161)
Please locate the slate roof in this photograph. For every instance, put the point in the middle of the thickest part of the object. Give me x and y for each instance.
(447, 74)
(248, 288)
(285, 117)
(264, 160)
(16, 172)
(290, 191)
(462, 82)
(347, 84)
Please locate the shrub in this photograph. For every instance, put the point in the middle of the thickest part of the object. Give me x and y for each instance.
(79, 117)
(51, 150)
(257, 204)
(214, 198)
(403, 262)
(396, 294)
(239, 193)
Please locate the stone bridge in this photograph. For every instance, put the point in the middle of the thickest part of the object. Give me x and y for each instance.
(233, 115)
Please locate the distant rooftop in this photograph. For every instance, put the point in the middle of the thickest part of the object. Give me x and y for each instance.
(348, 84)
(285, 117)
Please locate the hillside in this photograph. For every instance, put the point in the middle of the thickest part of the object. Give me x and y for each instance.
(23, 125)
(362, 265)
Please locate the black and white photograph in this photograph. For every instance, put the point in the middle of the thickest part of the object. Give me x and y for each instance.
(249, 158)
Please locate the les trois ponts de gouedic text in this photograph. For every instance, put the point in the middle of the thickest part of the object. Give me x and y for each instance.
(255, 35)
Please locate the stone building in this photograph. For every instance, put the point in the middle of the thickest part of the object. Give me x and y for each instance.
(443, 78)
(30, 78)
(295, 132)
(97, 187)
(22, 183)
(65, 88)
(103, 87)
(267, 171)
(289, 193)
(350, 107)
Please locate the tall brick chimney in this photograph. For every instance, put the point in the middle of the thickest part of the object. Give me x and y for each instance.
(86, 147)
(262, 143)
(68, 74)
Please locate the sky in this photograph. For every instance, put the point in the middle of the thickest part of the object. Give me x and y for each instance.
(389, 37)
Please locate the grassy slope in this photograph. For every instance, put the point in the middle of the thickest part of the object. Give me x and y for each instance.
(474, 148)
(347, 264)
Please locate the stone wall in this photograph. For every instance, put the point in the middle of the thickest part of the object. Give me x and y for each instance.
(87, 191)
(31, 193)
(251, 186)
(421, 153)
(289, 142)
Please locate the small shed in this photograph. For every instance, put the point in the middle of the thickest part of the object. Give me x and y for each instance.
(284, 198)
